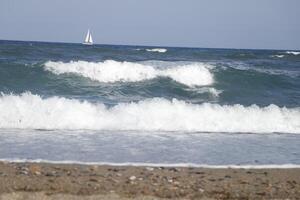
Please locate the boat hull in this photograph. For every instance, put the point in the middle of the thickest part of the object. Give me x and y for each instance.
(87, 43)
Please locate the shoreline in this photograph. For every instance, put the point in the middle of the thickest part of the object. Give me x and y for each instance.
(133, 164)
(33, 180)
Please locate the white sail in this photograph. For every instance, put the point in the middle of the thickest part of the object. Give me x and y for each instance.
(88, 38)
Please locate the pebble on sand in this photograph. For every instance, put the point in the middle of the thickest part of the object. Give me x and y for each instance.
(132, 178)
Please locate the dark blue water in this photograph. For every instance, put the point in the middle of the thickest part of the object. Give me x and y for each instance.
(248, 99)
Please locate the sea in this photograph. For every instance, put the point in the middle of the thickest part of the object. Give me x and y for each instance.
(142, 105)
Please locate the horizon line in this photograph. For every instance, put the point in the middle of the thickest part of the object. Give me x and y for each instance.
(140, 45)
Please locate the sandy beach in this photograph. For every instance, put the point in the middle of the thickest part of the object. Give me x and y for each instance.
(73, 181)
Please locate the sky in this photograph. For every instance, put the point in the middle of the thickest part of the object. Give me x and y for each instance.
(253, 24)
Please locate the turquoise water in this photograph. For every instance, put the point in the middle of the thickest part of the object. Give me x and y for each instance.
(201, 97)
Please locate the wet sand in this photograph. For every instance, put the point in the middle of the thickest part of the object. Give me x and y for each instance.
(73, 181)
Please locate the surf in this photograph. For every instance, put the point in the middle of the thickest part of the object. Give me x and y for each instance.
(110, 71)
(30, 111)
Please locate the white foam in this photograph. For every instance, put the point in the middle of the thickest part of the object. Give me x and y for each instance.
(215, 92)
(277, 56)
(265, 166)
(193, 74)
(28, 111)
(212, 91)
(109, 71)
(159, 50)
(295, 53)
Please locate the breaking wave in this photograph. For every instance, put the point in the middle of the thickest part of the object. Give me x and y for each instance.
(159, 50)
(110, 71)
(28, 111)
(295, 53)
(277, 56)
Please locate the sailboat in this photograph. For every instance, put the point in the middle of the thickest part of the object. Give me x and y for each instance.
(88, 38)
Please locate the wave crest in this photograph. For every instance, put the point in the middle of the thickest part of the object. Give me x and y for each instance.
(159, 50)
(295, 53)
(277, 56)
(112, 71)
(28, 111)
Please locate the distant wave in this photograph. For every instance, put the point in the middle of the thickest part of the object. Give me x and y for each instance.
(270, 71)
(277, 56)
(295, 53)
(110, 71)
(159, 50)
(28, 111)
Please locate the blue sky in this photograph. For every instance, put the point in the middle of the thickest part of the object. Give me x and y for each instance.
(267, 24)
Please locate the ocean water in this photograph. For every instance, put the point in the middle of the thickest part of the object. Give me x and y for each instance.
(160, 105)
